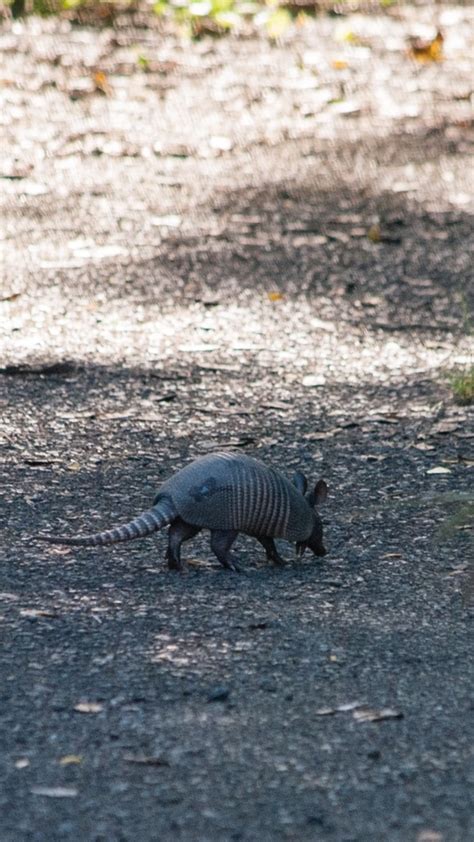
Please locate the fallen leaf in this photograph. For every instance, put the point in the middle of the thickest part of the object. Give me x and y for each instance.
(439, 470)
(146, 760)
(172, 220)
(322, 434)
(313, 380)
(346, 106)
(194, 562)
(371, 300)
(12, 169)
(55, 791)
(458, 571)
(70, 760)
(371, 715)
(59, 550)
(339, 236)
(275, 296)
(81, 88)
(226, 410)
(208, 300)
(374, 233)
(22, 763)
(101, 83)
(12, 296)
(425, 51)
(323, 324)
(275, 405)
(392, 555)
(381, 419)
(33, 188)
(429, 836)
(219, 694)
(231, 369)
(339, 64)
(76, 416)
(165, 398)
(344, 34)
(174, 150)
(221, 143)
(197, 349)
(347, 706)
(38, 461)
(88, 707)
(48, 369)
(444, 426)
(247, 346)
(222, 445)
(74, 466)
(38, 612)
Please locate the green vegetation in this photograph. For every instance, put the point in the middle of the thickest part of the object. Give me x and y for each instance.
(462, 384)
(198, 17)
(19, 8)
(462, 518)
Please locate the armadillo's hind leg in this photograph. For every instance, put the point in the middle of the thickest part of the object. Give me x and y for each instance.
(221, 542)
(268, 545)
(179, 531)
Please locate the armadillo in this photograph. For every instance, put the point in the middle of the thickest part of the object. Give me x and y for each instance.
(226, 493)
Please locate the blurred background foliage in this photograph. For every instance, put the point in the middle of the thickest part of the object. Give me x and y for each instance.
(201, 17)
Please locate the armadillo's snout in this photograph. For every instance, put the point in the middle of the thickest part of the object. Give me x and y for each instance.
(315, 540)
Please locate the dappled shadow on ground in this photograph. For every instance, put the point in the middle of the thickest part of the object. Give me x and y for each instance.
(360, 251)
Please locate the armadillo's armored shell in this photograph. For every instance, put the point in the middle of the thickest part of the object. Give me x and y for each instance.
(233, 491)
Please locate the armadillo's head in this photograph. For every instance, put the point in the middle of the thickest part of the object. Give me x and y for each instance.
(315, 540)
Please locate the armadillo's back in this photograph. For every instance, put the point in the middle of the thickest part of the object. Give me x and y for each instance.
(233, 491)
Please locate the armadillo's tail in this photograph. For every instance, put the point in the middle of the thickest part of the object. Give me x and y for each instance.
(162, 513)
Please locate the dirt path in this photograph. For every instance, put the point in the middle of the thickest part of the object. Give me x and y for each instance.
(197, 256)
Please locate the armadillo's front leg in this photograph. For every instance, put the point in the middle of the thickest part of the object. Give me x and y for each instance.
(179, 531)
(221, 542)
(268, 545)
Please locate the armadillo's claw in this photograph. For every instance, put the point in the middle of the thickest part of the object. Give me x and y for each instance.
(235, 567)
(238, 569)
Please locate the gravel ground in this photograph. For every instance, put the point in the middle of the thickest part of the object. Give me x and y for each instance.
(195, 256)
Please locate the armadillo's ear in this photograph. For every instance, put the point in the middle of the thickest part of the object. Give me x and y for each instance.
(319, 494)
(300, 481)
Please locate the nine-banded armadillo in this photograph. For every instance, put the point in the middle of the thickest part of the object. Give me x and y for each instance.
(226, 493)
